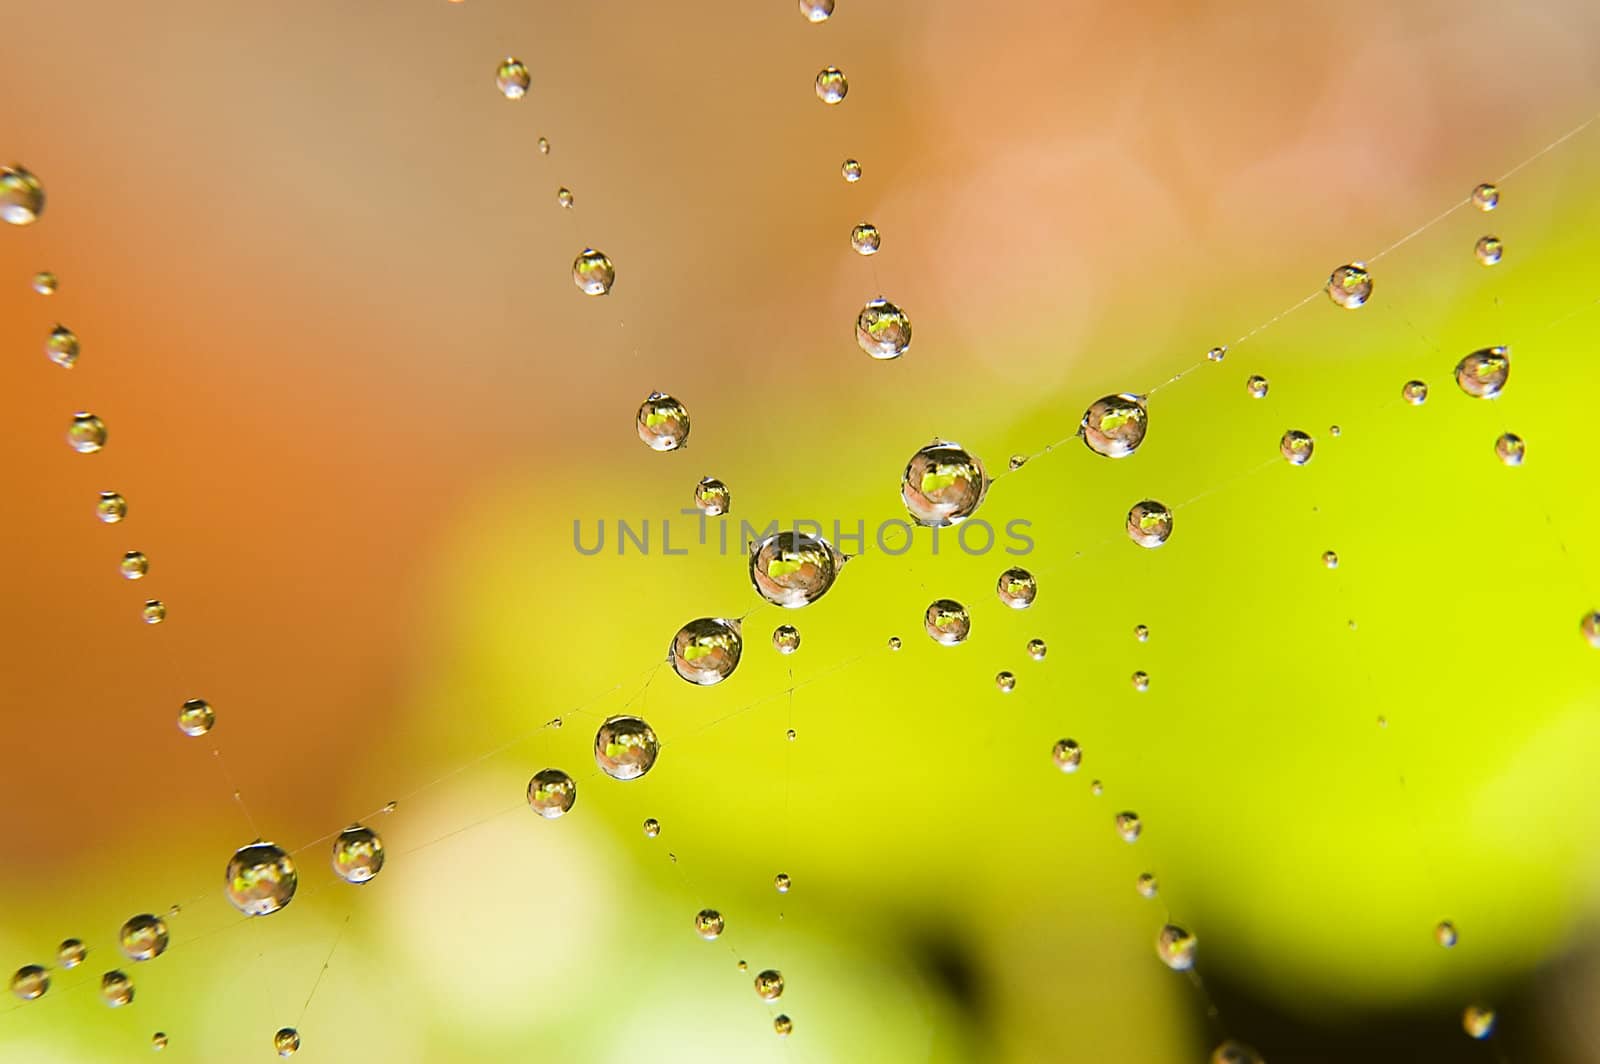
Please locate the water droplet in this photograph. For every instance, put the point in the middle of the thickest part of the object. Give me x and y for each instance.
(135, 565)
(1141, 633)
(943, 484)
(154, 611)
(1006, 681)
(158, 1041)
(1017, 588)
(61, 347)
(390, 807)
(1036, 649)
(511, 78)
(1128, 826)
(1330, 559)
(1231, 1052)
(781, 882)
(865, 239)
(143, 937)
(1510, 448)
(711, 496)
(1017, 462)
(1486, 197)
(1414, 392)
(357, 854)
(786, 637)
(706, 650)
(894, 642)
(652, 827)
(816, 10)
(1335, 431)
(743, 967)
(625, 748)
(708, 924)
(110, 507)
(1477, 1021)
(1445, 934)
(947, 623)
(793, 569)
(1149, 523)
(1141, 681)
(1146, 885)
(564, 197)
(44, 282)
(1257, 386)
(883, 330)
(1217, 354)
(1115, 426)
(87, 433)
(551, 793)
(1176, 947)
(831, 85)
(1590, 627)
(544, 146)
(1483, 373)
(1350, 286)
(116, 989)
(769, 985)
(851, 171)
(196, 717)
(1296, 447)
(789, 735)
(1067, 755)
(71, 953)
(593, 273)
(783, 1025)
(30, 982)
(260, 879)
(21, 196)
(286, 1041)
(1489, 250)
(663, 425)
(1096, 788)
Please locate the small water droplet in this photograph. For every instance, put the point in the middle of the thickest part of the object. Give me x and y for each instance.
(831, 85)
(1128, 826)
(1176, 947)
(1257, 386)
(1217, 354)
(652, 827)
(1296, 447)
(1231, 1052)
(44, 282)
(357, 854)
(894, 642)
(551, 793)
(711, 496)
(1350, 286)
(511, 78)
(1488, 249)
(1483, 373)
(1146, 885)
(87, 433)
(30, 982)
(1510, 449)
(793, 569)
(116, 989)
(110, 507)
(390, 807)
(135, 565)
(1149, 523)
(158, 1041)
(1330, 559)
(851, 170)
(1096, 788)
(947, 622)
(781, 883)
(1486, 197)
(1445, 934)
(789, 735)
(260, 879)
(21, 195)
(625, 748)
(865, 239)
(154, 611)
(1478, 1021)
(1067, 755)
(769, 984)
(663, 425)
(1114, 426)
(143, 937)
(564, 197)
(1017, 588)
(1414, 392)
(1141, 681)
(1036, 649)
(708, 924)
(593, 273)
(783, 1025)
(286, 1041)
(1006, 681)
(1017, 462)
(706, 650)
(544, 146)
(816, 11)
(1335, 431)
(883, 330)
(1590, 627)
(786, 637)
(943, 484)
(71, 953)
(1141, 633)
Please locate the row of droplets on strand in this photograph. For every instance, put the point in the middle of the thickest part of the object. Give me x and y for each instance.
(1152, 524)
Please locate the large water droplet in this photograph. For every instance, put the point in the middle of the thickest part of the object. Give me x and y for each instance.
(943, 484)
(706, 650)
(593, 273)
(946, 621)
(1510, 449)
(781, 882)
(865, 239)
(87, 434)
(1149, 523)
(551, 793)
(769, 984)
(154, 611)
(1115, 425)
(711, 496)
(286, 1041)
(883, 330)
(1350, 286)
(1486, 197)
(357, 854)
(816, 10)
(196, 717)
(793, 569)
(1067, 755)
(1489, 250)
(625, 748)
(831, 85)
(21, 195)
(511, 78)
(1017, 588)
(1478, 1021)
(30, 982)
(135, 565)
(110, 507)
(1483, 373)
(260, 879)
(663, 422)
(61, 346)
(1176, 947)
(143, 937)
(708, 924)
(1296, 447)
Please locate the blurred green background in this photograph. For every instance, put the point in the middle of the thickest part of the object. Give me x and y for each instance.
(321, 280)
